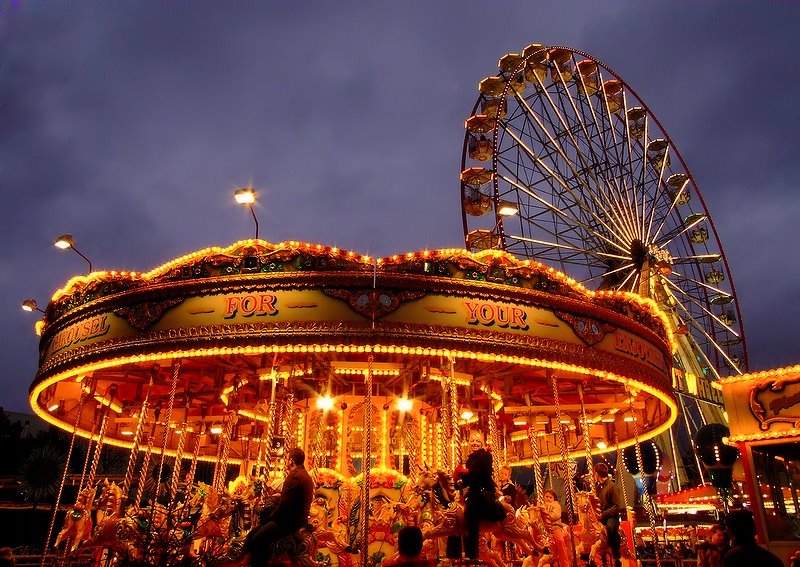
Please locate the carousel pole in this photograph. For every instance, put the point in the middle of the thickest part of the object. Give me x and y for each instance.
(621, 461)
(270, 425)
(534, 441)
(176, 469)
(201, 430)
(587, 441)
(562, 442)
(165, 438)
(289, 430)
(455, 432)
(221, 474)
(81, 403)
(147, 455)
(137, 438)
(648, 497)
(100, 438)
(89, 446)
(366, 463)
(444, 427)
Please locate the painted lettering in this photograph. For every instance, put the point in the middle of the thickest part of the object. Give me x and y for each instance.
(261, 304)
(639, 349)
(491, 314)
(82, 331)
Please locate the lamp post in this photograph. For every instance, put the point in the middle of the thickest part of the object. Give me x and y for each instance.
(30, 306)
(66, 241)
(247, 196)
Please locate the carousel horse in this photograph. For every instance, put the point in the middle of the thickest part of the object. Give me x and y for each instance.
(512, 527)
(78, 521)
(326, 537)
(115, 531)
(428, 500)
(242, 495)
(594, 538)
(540, 528)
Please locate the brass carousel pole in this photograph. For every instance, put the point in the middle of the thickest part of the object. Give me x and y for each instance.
(165, 438)
(137, 438)
(455, 432)
(366, 461)
(81, 403)
(562, 442)
(176, 470)
(534, 441)
(147, 455)
(648, 497)
(587, 441)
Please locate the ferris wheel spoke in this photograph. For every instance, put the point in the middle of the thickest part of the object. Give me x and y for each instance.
(609, 272)
(560, 212)
(700, 284)
(579, 201)
(563, 240)
(658, 185)
(699, 305)
(607, 185)
(605, 188)
(609, 118)
(666, 216)
(634, 285)
(581, 250)
(567, 130)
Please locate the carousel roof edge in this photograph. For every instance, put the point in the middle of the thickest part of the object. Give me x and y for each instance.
(253, 258)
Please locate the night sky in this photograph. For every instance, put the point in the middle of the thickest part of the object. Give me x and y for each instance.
(130, 123)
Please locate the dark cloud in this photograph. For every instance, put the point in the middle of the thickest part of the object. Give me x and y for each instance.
(129, 124)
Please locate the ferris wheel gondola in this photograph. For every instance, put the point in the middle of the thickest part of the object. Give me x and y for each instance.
(597, 188)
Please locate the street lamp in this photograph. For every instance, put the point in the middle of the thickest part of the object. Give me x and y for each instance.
(30, 306)
(246, 196)
(65, 241)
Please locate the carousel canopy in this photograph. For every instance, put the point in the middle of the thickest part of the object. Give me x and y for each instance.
(212, 337)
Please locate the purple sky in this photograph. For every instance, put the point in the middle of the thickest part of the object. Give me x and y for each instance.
(129, 124)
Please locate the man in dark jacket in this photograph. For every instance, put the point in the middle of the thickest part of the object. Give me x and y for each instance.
(480, 502)
(610, 508)
(290, 514)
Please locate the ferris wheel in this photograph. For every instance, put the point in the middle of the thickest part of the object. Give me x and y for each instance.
(565, 164)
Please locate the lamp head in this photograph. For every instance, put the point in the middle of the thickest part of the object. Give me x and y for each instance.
(29, 305)
(507, 209)
(245, 196)
(64, 241)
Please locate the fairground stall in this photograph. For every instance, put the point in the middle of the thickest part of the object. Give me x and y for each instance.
(379, 368)
(764, 415)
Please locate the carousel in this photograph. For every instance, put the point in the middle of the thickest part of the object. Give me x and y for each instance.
(208, 369)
